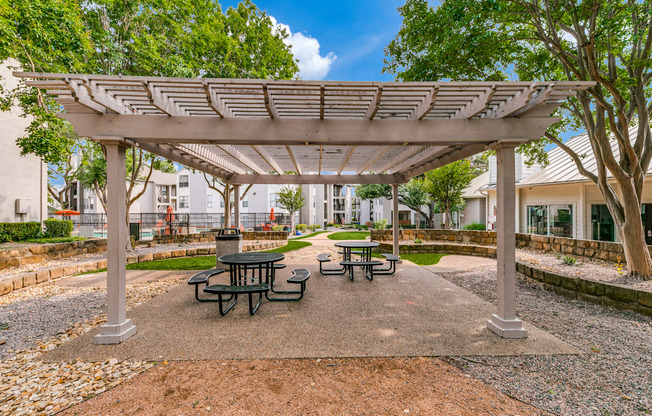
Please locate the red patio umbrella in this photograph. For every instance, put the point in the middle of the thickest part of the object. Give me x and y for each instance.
(272, 217)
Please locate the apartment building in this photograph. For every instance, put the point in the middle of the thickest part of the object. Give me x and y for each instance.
(23, 189)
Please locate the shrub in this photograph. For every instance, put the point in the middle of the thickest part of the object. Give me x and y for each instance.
(57, 228)
(380, 225)
(314, 227)
(302, 227)
(19, 231)
(418, 241)
(361, 227)
(568, 260)
(330, 224)
(475, 226)
(278, 227)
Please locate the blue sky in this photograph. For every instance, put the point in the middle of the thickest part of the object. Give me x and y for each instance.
(351, 35)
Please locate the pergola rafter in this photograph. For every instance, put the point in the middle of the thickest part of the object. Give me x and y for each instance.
(326, 132)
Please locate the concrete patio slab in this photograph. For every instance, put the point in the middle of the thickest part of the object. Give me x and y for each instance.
(414, 313)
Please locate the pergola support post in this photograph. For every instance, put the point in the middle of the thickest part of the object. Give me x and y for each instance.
(117, 328)
(236, 204)
(395, 228)
(505, 323)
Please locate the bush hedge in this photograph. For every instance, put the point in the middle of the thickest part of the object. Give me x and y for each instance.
(19, 231)
(57, 228)
(475, 226)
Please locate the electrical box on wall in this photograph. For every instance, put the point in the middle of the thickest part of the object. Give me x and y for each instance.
(22, 206)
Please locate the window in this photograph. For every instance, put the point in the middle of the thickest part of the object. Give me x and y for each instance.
(183, 181)
(273, 201)
(602, 223)
(221, 202)
(556, 220)
(209, 201)
(245, 204)
(183, 202)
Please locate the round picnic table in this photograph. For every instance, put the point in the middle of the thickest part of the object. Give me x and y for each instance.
(364, 252)
(240, 263)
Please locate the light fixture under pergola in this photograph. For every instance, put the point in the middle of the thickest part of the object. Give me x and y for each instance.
(306, 132)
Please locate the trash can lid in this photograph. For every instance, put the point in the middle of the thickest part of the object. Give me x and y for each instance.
(228, 234)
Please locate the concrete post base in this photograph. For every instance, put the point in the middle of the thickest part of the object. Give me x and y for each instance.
(115, 334)
(507, 328)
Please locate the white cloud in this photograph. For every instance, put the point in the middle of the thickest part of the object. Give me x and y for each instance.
(312, 65)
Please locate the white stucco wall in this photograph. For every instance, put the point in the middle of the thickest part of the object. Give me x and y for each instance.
(22, 176)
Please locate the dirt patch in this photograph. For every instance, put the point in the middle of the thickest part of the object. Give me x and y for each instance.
(415, 386)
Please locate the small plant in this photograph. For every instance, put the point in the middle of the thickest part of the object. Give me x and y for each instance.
(278, 227)
(314, 227)
(620, 267)
(475, 226)
(380, 225)
(568, 260)
(302, 227)
(418, 241)
(330, 224)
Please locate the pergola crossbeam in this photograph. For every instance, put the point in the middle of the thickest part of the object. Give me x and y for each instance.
(374, 105)
(370, 162)
(268, 158)
(238, 155)
(423, 154)
(345, 160)
(294, 160)
(207, 155)
(478, 105)
(425, 106)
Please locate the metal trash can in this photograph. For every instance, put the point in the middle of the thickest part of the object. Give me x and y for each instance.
(228, 241)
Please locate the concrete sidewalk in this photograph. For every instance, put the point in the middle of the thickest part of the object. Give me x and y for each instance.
(413, 313)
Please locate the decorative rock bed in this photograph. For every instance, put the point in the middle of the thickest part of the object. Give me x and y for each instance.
(610, 294)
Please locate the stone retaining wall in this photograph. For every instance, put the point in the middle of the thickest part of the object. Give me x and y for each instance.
(604, 293)
(38, 253)
(24, 256)
(208, 236)
(592, 249)
(41, 276)
(447, 248)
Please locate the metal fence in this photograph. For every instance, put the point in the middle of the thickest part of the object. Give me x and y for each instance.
(154, 223)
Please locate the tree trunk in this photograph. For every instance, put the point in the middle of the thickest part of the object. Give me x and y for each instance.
(227, 206)
(632, 235)
(292, 223)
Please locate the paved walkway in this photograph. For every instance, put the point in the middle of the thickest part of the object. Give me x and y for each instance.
(413, 313)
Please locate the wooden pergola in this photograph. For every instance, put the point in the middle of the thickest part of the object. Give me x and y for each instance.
(305, 132)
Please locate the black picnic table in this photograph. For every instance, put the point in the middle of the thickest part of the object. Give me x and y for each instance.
(363, 249)
(240, 263)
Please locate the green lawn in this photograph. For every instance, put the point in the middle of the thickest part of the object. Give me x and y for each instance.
(309, 235)
(426, 259)
(200, 262)
(290, 246)
(349, 235)
(55, 240)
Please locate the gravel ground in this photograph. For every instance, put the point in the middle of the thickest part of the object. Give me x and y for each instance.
(612, 375)
(36, 320)
(589, 269)
(29, 386)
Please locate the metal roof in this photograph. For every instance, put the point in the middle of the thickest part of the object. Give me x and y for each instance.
(562, 169)
(319, 131)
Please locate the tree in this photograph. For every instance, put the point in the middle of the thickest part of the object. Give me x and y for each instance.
(291, 199)
(225, 190)
(139, 165)
(608, 42)
(411, 194)
(414, 195)
(446, 186)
